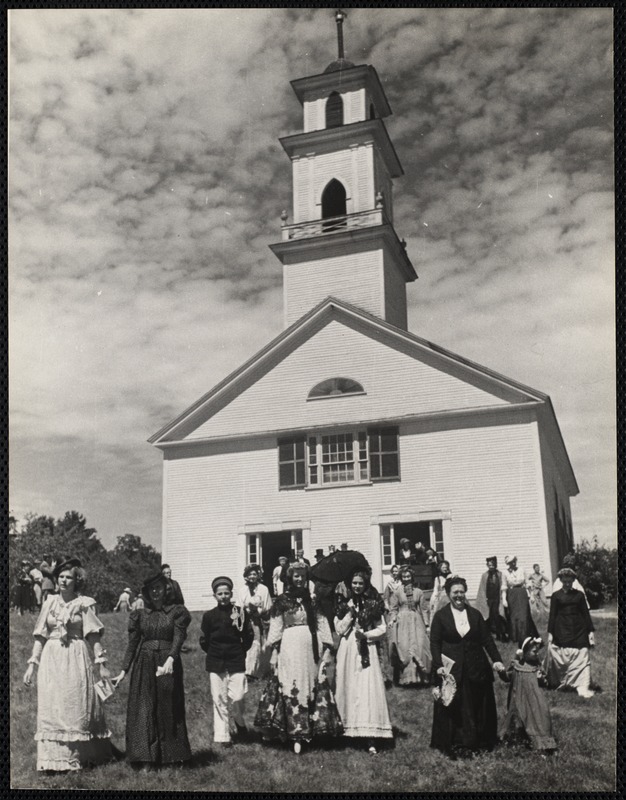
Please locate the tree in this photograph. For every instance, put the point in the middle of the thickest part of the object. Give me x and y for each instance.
(108, 571)
(596, 567)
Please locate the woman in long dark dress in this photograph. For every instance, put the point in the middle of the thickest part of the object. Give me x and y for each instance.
(515, 601)
(459, 633)
(156, 732)
(570, 635)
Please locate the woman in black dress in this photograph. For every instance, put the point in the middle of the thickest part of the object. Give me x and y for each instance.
(460, 634)
(156, 732)
(570, 635)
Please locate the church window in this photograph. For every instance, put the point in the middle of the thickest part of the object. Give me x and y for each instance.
(334, 387)
(292, 462)
(384, 456)
(334, 205)
(334, 110)
(347, 457)
(372, 111)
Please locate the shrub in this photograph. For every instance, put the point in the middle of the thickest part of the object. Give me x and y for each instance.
(596, 567)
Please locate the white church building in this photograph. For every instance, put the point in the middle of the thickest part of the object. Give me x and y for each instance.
(347, 427)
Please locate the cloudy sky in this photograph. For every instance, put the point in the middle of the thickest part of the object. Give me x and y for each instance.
(147, 180)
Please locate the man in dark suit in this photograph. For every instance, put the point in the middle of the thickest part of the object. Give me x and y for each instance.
(460, 634)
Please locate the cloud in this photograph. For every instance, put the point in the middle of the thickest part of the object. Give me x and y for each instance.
(147, 180)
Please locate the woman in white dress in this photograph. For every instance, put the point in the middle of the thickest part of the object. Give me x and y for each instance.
(360, 691)
(255, 598)
(71, 729)
(302, 642)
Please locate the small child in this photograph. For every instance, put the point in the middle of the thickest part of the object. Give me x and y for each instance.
(528, 716)
(226, 637)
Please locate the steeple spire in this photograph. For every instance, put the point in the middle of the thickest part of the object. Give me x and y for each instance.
(339, 18)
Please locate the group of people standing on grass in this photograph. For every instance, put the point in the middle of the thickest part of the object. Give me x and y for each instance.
(324, 676)
(33, 583)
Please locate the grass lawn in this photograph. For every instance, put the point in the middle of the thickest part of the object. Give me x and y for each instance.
(585, 730)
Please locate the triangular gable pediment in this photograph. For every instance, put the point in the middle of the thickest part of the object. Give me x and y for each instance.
(402, 375)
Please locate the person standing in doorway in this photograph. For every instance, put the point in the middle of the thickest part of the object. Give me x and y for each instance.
(279, 574)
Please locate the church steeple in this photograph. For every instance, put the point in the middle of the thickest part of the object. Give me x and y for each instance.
(342, 241)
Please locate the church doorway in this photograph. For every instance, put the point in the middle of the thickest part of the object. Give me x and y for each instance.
(273, 545)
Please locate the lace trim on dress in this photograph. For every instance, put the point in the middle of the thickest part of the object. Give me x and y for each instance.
(368, 731)
(71, 736)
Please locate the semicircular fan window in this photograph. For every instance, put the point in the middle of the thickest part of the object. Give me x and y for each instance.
(332, 387)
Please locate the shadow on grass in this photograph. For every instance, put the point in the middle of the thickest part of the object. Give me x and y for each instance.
(203, 758)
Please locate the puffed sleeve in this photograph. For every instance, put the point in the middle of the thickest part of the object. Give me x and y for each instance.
(277, 625)
(377, 633)
(343, 625)
(323, 630)
(182, 618)
(134, 637)
(91, 623)
(41, 628)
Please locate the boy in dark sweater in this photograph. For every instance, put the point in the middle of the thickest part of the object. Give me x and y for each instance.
(226, 637)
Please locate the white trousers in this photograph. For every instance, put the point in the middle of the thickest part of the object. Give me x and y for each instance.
(227, 692)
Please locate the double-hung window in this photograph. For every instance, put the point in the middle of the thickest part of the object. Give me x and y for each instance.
(346, 457)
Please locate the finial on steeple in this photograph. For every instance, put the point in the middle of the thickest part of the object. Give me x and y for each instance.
(339, 18)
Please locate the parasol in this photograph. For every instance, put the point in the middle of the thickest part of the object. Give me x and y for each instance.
(338, 566)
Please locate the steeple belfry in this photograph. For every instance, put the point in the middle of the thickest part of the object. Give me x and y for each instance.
(342, 241)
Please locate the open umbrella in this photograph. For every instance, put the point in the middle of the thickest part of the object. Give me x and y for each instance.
(338, 566)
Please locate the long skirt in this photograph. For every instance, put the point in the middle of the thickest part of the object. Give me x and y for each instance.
(156, 731)
(568, 667)
(521, 622)
(258, 656)
(539, 607)
(470, 722)
(361, 698)
(528, 714)
(71, 729)
(410, 648)
(288, 707)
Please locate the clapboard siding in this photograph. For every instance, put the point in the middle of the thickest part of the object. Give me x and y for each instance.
(557, 504)
(484, 478)
(396, 384)
(309, 282)
(395, 295)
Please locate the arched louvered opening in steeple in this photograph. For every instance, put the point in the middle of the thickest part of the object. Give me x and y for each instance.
(334, 205)
(334, 110)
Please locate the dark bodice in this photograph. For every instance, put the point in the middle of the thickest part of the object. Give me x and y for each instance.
(163, 630)
(467, 652)
(570, 622)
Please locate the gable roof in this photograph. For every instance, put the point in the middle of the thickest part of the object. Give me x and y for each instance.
(334, 309)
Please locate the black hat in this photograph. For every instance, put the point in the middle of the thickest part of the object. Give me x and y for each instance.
(158, 578)
(319, 553)
(222, 580)
(493, 559)
(67, 563)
